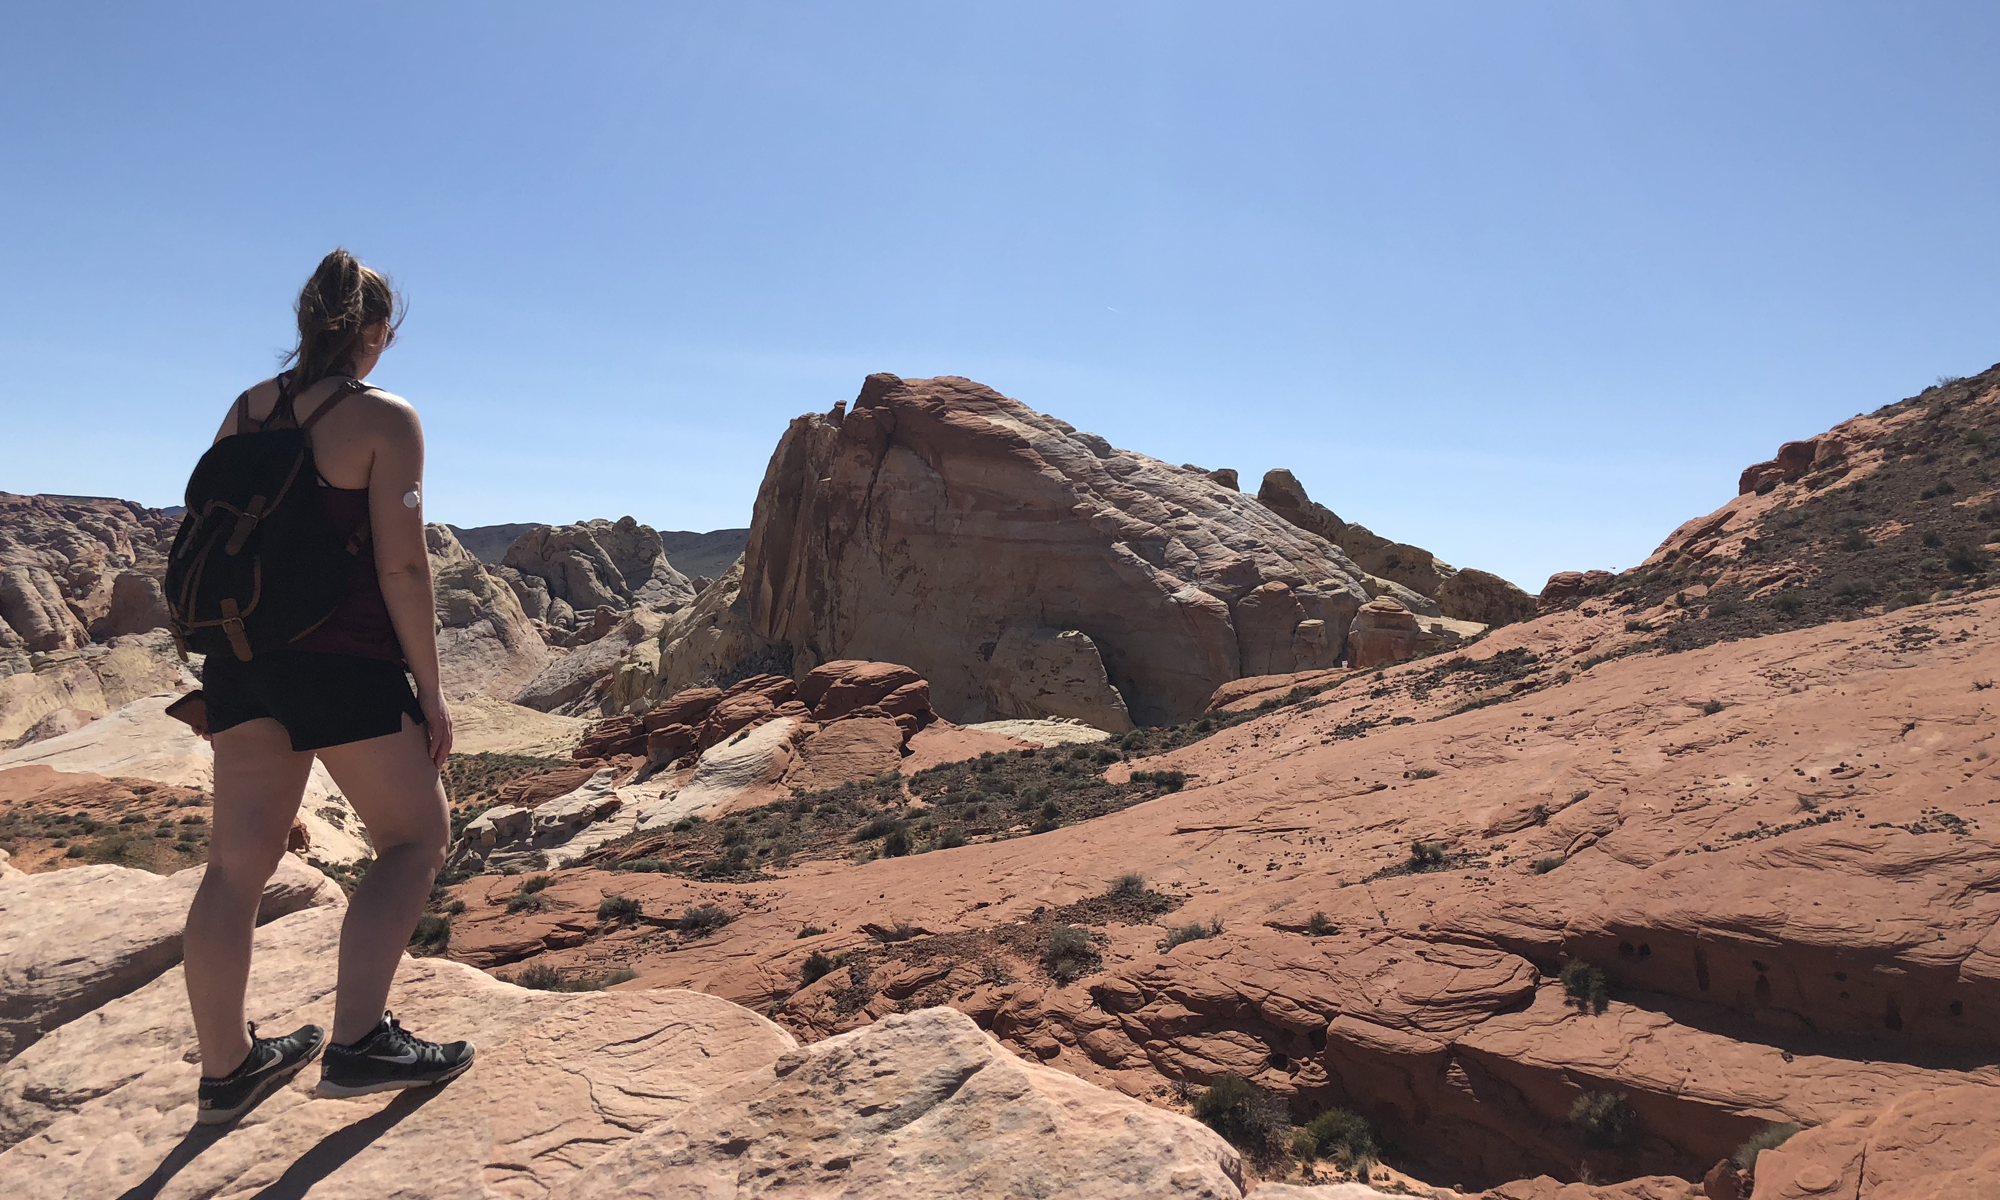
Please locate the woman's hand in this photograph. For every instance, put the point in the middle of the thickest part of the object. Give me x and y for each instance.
(437, 724)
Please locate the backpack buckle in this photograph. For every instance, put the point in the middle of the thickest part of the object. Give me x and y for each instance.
(245, 522)
(232, 627)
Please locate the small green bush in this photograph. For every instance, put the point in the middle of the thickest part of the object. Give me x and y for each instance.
(879, 827)
(535, 883)
(806, 931)
(618, 908)
(897, 843)
(1604, 1119)
(1769, 1138)
(645, 865)
(1339, 1135)
(1788, 604)
(1166, 781)
(1192, 932)
(1240, 1112)
(950, 839)
(1425, 855)
(817, 966)
(432, 934)
(1711, 708)
(1131, 883)
(1319, 925)
(547, 979)
(528, 902)
(1585, 986)
(1068, 954)
(699, 920)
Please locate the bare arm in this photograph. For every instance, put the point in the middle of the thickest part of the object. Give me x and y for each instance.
(402, 562)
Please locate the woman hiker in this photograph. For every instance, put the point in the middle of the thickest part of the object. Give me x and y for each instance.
(311, 500)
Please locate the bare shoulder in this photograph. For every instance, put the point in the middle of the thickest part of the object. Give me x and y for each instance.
(384, 412)
(263, 394)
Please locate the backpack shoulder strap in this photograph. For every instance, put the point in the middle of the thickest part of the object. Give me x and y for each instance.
(347, 388)
(243, 412)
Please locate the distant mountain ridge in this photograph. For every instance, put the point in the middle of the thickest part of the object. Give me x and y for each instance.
(692, 554)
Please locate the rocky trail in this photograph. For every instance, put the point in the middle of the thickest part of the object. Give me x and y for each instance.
(1047, 797)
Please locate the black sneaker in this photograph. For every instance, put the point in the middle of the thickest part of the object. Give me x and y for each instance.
(390, 1058)
(271, 1063)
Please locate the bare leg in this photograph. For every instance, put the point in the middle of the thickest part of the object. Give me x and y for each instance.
(393, 785)
(259, 779)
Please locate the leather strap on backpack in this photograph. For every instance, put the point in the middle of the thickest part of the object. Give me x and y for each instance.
(232, 626)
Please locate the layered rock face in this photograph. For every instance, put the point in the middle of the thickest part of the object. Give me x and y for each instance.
(939, 520)
(486, 643)
(61, 558)
(1464, 594)
(563, 572)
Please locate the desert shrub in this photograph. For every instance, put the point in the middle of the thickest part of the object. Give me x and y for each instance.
(879, 827)
(1638, 627)
(1051, 810)
(1788, 604)
(647, 865)
(806, 931)
(950, 839)
(618, 908)
(1044, 825)
(901, 931)
(432, 934)
(1337, 1134)
(528, 902)
(732, 861)
(817, 966)
(547, 979)
(1966, 560)
(1194, 931)
(535, 883)
(897, 843)
(1721, 609)
(1133, 740)
(1319, 925)
(1131, 883)
(1425, 855)
(1104, 755)
(1068, 954)
(1768, 1138)
(1166, 781)
(1711, 708)
(1544, 865)
(1604, 1119)
(1585, 986)
(1240, 1111)
(701, 919)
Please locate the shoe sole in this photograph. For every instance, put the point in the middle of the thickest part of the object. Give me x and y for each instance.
(272, 1083)
(343, 1091)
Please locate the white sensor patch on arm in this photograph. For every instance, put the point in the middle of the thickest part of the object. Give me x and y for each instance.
(411, 499)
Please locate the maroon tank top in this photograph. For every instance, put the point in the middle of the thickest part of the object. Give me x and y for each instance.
(360, 625)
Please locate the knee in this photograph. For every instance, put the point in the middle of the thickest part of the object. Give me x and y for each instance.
(425, 847)
(239, 871)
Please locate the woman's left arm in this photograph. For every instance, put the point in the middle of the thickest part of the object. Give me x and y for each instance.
(402, 561)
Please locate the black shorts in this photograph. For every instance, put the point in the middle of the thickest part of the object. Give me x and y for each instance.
(321, 699)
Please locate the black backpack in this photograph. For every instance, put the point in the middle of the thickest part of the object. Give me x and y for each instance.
(257, 564)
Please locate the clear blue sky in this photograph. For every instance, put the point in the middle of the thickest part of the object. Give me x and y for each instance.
(1527, 284)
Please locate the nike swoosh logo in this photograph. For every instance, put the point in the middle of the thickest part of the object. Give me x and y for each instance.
(275, 1060)
(406, 1057)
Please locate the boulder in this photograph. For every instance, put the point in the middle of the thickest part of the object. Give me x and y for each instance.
(1383, 632)
(923, 524)
(75, 939)
(917, 1105)
(486, 643)
(1038, 673)
(1937, 1144)
(848, 751)
(551, 833)
(580, 681)
(137, 606)
(32, 604)
(1568, 587)
(82, 543)
(1409, 574)
(617, 564)
(105, 1104)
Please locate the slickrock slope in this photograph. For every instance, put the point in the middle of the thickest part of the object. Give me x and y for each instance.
(61, 558)
(661, 1092)
(1699, 871)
